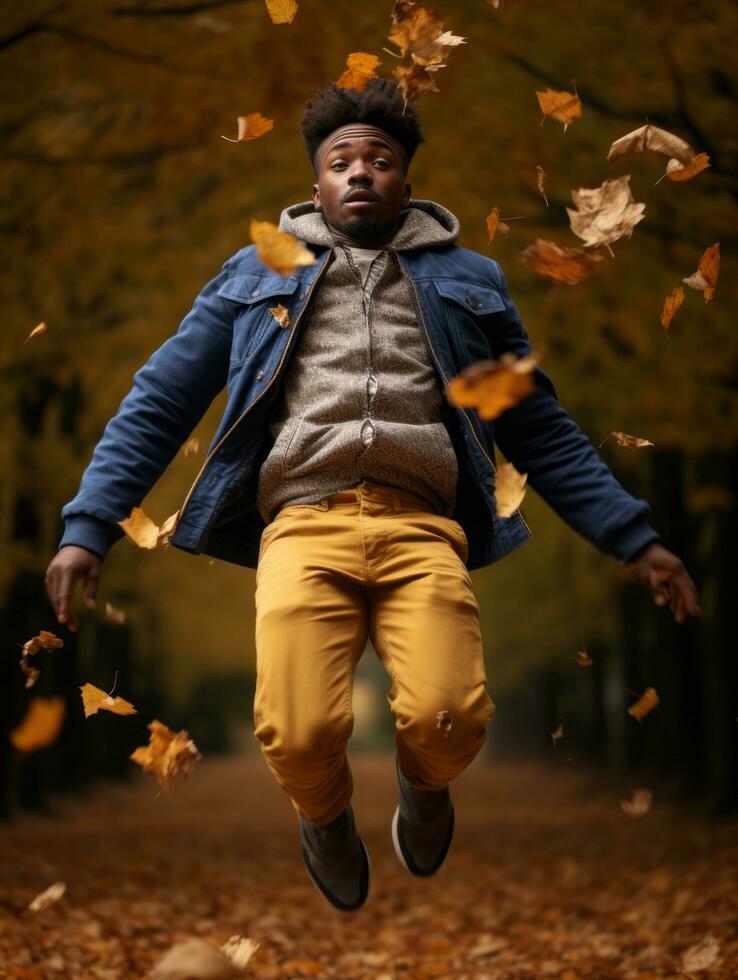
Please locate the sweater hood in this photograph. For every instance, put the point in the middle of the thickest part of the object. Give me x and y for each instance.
(423, 224)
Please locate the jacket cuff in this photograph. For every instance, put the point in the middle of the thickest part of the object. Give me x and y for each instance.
(625, 542)
(91, 533)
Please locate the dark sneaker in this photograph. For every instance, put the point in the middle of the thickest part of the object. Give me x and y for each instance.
(422, 827)
(336, 860)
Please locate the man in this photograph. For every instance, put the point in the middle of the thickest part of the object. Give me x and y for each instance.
(375, 497)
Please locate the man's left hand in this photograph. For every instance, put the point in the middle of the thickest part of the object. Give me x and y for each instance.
(665, 576)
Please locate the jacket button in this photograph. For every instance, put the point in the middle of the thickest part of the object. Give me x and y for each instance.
(259, 375)
(255, 292)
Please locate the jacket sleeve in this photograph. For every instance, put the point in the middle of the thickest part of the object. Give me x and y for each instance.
(541, 439)
(169, 396)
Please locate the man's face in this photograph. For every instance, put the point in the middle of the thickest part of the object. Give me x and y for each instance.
(359, 159)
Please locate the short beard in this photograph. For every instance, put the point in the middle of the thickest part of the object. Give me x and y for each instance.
(365, 229)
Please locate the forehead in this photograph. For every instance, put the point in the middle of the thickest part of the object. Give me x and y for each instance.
(352, 136)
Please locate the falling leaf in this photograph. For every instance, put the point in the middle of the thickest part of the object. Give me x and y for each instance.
(416, 80)
(706, 276)
(639, 804)
(41, 724)
(239, 950)
(418, 31)
(645, 704)
(541, 176)
(683, 163)
(114, 615)
(49, 897)
(41, 328)
(45, 640)
(94, 700)
(251, 127)
(491, 387)
(278, 249)
(144, 532)
(509, 489)
(194, 958)
(444, 722)
(564, 107)
(583, 658)
(282, 11)
(701, 956)
(495, 224)
(605, 213)
(281, 314)
(629, 442)
(360, 67)
(191, 447)
(559, 263)
(167, 754)
(559, 733)
(671, 304)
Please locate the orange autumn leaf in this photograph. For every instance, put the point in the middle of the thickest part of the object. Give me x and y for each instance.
(708, 269)
(418, 31)
(509, 489)
(559, 733)
(94, 700)
(645, 704)
(682, 165)
(671, 304)
(628, 442)
(282, 11)
(360, 67)
(41, 724)
(639, 804)
(279, 250)
(416, 80)
(191, 447)
(675, 171)
(281, 314)
(144, 532)
(250, 127)
(560, 263)
(45, 640)
(564, 107)
(491, 386)
(167, 754)
(583, 658)
(494, 224)
(41, 328)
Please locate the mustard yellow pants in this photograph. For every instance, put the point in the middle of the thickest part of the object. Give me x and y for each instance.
(373, 562)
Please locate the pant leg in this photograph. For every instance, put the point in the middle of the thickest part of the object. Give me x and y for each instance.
(311, 629)
(424, 624)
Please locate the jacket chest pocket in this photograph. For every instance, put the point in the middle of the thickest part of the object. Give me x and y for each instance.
(254, 296)
(464, 305)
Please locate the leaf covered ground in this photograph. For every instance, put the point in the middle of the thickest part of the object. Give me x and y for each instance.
(547, 877)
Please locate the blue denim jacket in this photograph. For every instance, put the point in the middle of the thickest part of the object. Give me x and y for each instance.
(229, 338)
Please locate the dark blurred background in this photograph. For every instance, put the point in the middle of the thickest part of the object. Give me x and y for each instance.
(120, 200)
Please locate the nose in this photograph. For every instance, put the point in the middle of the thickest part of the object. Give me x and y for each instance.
(360, 173)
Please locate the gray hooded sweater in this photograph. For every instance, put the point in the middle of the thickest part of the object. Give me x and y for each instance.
(360, 399)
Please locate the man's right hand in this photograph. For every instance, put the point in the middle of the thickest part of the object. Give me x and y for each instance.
(70, 564)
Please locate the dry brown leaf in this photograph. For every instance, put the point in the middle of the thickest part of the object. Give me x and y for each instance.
(445, 722)
(191, 447)
(675, 171)
(45, 640)
(144, 532)
(629, 442)
(494, 224)
(683, 163)
(41, 328)
(49, 897)
(491, 387)
(701, 956)
(559, 733)
(360, 67)
(167, 753)
(564, 107)
(541, 177)
(239, 950)
(94, 700)
(279, 250)
(195, 958)
(645, 704)
(416, 80)
(251, 127)
(606, 213)
(583, 658)
(41, 724)
(418, 31)
(671, 304)
(509, 489)
(708, 269)
(282, 11)
(281, 314)
(639, 804)
(559, 263)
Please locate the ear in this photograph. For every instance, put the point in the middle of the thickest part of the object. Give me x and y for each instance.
(316, 197)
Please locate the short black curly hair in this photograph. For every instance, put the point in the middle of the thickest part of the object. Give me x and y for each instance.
(380, 104)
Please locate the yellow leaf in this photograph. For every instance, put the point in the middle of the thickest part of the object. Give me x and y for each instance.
(144, 532)
(561, 264)
(94, 700)
(52, 894)
(639, 804)
(671, 304)
(278, 249)
(605, 213)
(167, 754)
(645, 704)
(41, 328)
(360, 67)
(494, 224)
(40, 726)
(509, 489)
(564, 107)
(251, 127)
(418, 31)
(491, 387)
(708, 269)
(281, 314)
(282, 11)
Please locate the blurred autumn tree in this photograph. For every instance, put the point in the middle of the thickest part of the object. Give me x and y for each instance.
(121, 200)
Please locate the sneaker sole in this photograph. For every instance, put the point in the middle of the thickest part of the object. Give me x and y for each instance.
(401, 856)
(335, 902)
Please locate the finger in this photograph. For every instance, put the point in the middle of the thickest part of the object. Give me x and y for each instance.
(90, 592)
(73, 623)
(63, 596)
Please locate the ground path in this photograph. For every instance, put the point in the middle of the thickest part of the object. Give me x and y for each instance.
(546, 878)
